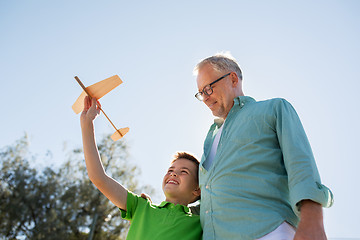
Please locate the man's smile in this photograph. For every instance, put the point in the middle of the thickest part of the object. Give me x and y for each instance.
(212, 105)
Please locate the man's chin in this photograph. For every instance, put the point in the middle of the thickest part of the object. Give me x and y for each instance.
(216, 114)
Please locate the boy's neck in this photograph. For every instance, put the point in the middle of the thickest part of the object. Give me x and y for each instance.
(177, 201)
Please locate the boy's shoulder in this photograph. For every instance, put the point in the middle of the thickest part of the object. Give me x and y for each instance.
(136, 203)
(160, 221)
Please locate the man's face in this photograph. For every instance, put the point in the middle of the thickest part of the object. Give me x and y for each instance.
(180, 180)
(221, 100)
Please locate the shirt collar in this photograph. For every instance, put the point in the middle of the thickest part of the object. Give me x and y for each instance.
(239, 101)
(166, 204)
(242, 100)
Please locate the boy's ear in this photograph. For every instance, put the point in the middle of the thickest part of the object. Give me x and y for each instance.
(197, 192)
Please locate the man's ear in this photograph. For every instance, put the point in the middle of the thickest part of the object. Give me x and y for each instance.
(234, 79)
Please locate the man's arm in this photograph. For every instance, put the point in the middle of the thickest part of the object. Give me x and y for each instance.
(311, 224)
(303, 176)
(113, 190)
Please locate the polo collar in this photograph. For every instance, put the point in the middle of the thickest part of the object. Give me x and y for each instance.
(166, 204)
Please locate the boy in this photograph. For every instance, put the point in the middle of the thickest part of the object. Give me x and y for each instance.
(172, 218)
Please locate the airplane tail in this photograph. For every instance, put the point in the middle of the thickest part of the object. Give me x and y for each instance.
(119, 133)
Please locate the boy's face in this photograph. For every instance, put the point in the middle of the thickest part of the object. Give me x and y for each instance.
(180, 181)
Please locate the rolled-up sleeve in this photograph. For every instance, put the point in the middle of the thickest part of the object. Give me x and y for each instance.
(303, 177)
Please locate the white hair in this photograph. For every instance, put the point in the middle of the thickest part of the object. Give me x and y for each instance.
(222, 61)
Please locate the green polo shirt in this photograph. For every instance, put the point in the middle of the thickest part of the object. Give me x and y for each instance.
(164, 221)
(262, 168)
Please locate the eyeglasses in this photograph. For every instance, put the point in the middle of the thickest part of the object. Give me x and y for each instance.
(207, 90)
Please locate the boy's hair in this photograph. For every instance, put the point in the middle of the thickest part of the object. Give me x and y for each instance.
(191, 158)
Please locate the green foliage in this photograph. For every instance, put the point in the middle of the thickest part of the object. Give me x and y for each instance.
(62, 203)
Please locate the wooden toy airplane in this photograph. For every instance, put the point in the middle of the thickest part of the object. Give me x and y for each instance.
(98, 90)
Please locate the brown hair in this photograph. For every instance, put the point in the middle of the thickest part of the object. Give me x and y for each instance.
(191, 158)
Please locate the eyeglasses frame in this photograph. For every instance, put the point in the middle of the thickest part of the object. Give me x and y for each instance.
(200, 94)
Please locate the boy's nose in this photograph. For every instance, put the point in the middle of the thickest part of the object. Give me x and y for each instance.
(173, 174)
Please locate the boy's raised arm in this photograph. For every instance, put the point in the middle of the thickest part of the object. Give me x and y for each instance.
(113, 190)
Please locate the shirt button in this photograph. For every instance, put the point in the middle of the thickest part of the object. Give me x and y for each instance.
(207, 187)
(207, 212)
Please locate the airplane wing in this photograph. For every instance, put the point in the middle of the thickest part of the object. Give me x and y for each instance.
(97, 90)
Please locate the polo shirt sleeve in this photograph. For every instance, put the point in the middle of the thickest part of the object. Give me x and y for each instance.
(131, 206)
(303, 176)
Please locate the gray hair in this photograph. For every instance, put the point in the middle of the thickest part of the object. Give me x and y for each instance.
(220, 62)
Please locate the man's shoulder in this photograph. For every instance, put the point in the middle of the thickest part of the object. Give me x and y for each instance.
(273, 103)
(268, 107)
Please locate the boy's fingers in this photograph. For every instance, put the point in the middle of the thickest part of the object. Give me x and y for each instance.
(94, 103)
(86, 103)
(90, 102)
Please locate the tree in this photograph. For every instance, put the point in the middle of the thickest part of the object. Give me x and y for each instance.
(62, 203)
(19, 191)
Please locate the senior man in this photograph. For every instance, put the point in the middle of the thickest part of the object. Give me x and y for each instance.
(258, 176)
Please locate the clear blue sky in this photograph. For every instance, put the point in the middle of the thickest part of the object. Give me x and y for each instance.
(305, 51)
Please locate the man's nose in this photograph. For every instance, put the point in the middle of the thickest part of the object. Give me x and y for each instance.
(205, 97)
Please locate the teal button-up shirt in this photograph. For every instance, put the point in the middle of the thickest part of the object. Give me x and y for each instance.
(263, 167)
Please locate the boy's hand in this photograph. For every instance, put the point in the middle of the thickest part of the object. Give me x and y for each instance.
(91, 109)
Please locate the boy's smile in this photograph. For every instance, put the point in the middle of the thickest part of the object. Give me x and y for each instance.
(172, 181)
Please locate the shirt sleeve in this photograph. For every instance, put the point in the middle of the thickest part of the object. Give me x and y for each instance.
(131, 205)
(303, 176)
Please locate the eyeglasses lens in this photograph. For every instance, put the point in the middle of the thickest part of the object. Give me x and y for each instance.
(199, 96)
(208, 90)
